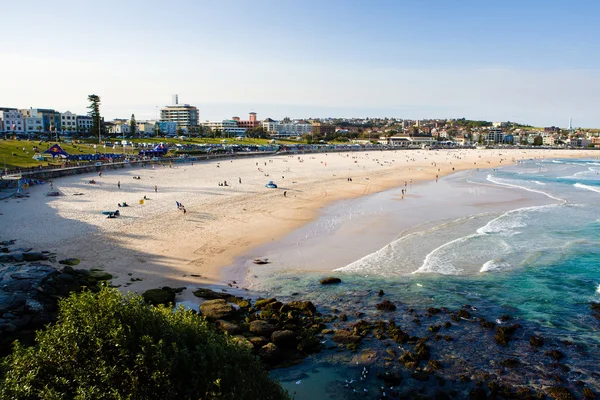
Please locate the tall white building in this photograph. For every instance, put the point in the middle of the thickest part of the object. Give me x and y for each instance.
(286, 129)
(68, 122)
(11, 120)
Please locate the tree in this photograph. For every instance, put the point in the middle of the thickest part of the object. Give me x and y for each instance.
(94, 112)
(108, 346)
(133, 126)
(538, 141)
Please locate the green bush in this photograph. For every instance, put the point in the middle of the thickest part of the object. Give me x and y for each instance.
(106, 346)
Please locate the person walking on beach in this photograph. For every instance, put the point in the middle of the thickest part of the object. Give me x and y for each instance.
(119, 184)
(155, 189)
(285, 193)
(240, 180)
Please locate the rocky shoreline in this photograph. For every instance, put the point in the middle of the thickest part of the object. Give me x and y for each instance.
(400, 352)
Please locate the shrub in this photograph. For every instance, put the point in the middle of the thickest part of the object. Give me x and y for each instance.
(108, 346)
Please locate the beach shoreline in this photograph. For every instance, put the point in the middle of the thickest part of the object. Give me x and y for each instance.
(159, 244)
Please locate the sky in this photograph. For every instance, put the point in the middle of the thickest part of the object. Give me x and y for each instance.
(529, 61)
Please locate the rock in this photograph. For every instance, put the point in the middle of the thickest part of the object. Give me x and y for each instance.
(101, 276)
(70, 261)
(274, 306)
(345, 337)
(510, 363)
(243, 342)
(285, 339)
(556, 354)
(381, 293)
(262, 328)
(217, 309)
(304, 306)
(435, 365)
(228, 327)
(477, 394)
(34, 256)
(208, 294)
(365, 357)
(434, 328)
(463, 314)
(559, 393)
(270, 354)
(536, 341)
(158, 296)
(261, 303)
(422, 351)
(420, 376)
(330, 280)
(588, 393)
(258, 341)
(386, 305)
(343, 317)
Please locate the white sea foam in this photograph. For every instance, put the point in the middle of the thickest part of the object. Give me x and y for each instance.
(539, 183)
(434, 263)
(493, 265)
(587, 187)
(598, 289)
(498, 181)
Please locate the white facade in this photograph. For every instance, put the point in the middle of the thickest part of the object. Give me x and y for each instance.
(146, 127)
(12, 121)
(34, 124)
(286, 129)
(68, 122)
(228, 126)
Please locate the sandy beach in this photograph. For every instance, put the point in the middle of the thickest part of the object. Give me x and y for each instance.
(158, 243)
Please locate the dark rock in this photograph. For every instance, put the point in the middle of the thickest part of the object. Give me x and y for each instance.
(510, 363)
(330, 280)
(100, 275)
(463, 314)
(274, 306)
(386, 305)
(304, 306)
(560, 393)
(262, 328)
(536, 341)
(228, 327)
(343, 317)
(285, 339)
(420, 376)
(588, 393)
(477, 394)
(556, 354)
(505, 318)
(435, 365)
(270, 354)
(70, 261)
(345, 337)
(434, 328)
(381, 293)
(258, 341)
(34, 256)
(422, 351)
(216, 309)
(433, 310)
(158, 296)
(261, 303)
(208, 294)
(447, 324)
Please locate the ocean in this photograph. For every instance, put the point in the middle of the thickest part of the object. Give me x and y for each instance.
(522, 240)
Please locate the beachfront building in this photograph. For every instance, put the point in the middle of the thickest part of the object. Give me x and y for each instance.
(407, 139)
(167, 128)
(250, 123)
(68, 122)
(50, 118)
(146, 127)
(183, 115)
(33, 124)
(120, 127)
(319, 128)
(227, 126)
(84, 123)
(286, 129)
(11, 120)
(494, 136)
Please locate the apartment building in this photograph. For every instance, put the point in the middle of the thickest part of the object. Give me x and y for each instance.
(183, 115)
(11, 120)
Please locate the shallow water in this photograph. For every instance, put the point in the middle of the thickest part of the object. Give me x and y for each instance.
(522, 240)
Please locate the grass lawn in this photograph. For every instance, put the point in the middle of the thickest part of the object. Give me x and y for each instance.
(19, 153)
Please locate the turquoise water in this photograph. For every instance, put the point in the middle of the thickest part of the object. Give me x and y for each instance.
(539, 263)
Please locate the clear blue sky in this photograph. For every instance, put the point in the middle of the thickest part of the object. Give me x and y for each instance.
(536, 62)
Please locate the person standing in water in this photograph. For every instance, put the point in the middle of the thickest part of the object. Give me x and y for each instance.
(155, 189)
(119, 184)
